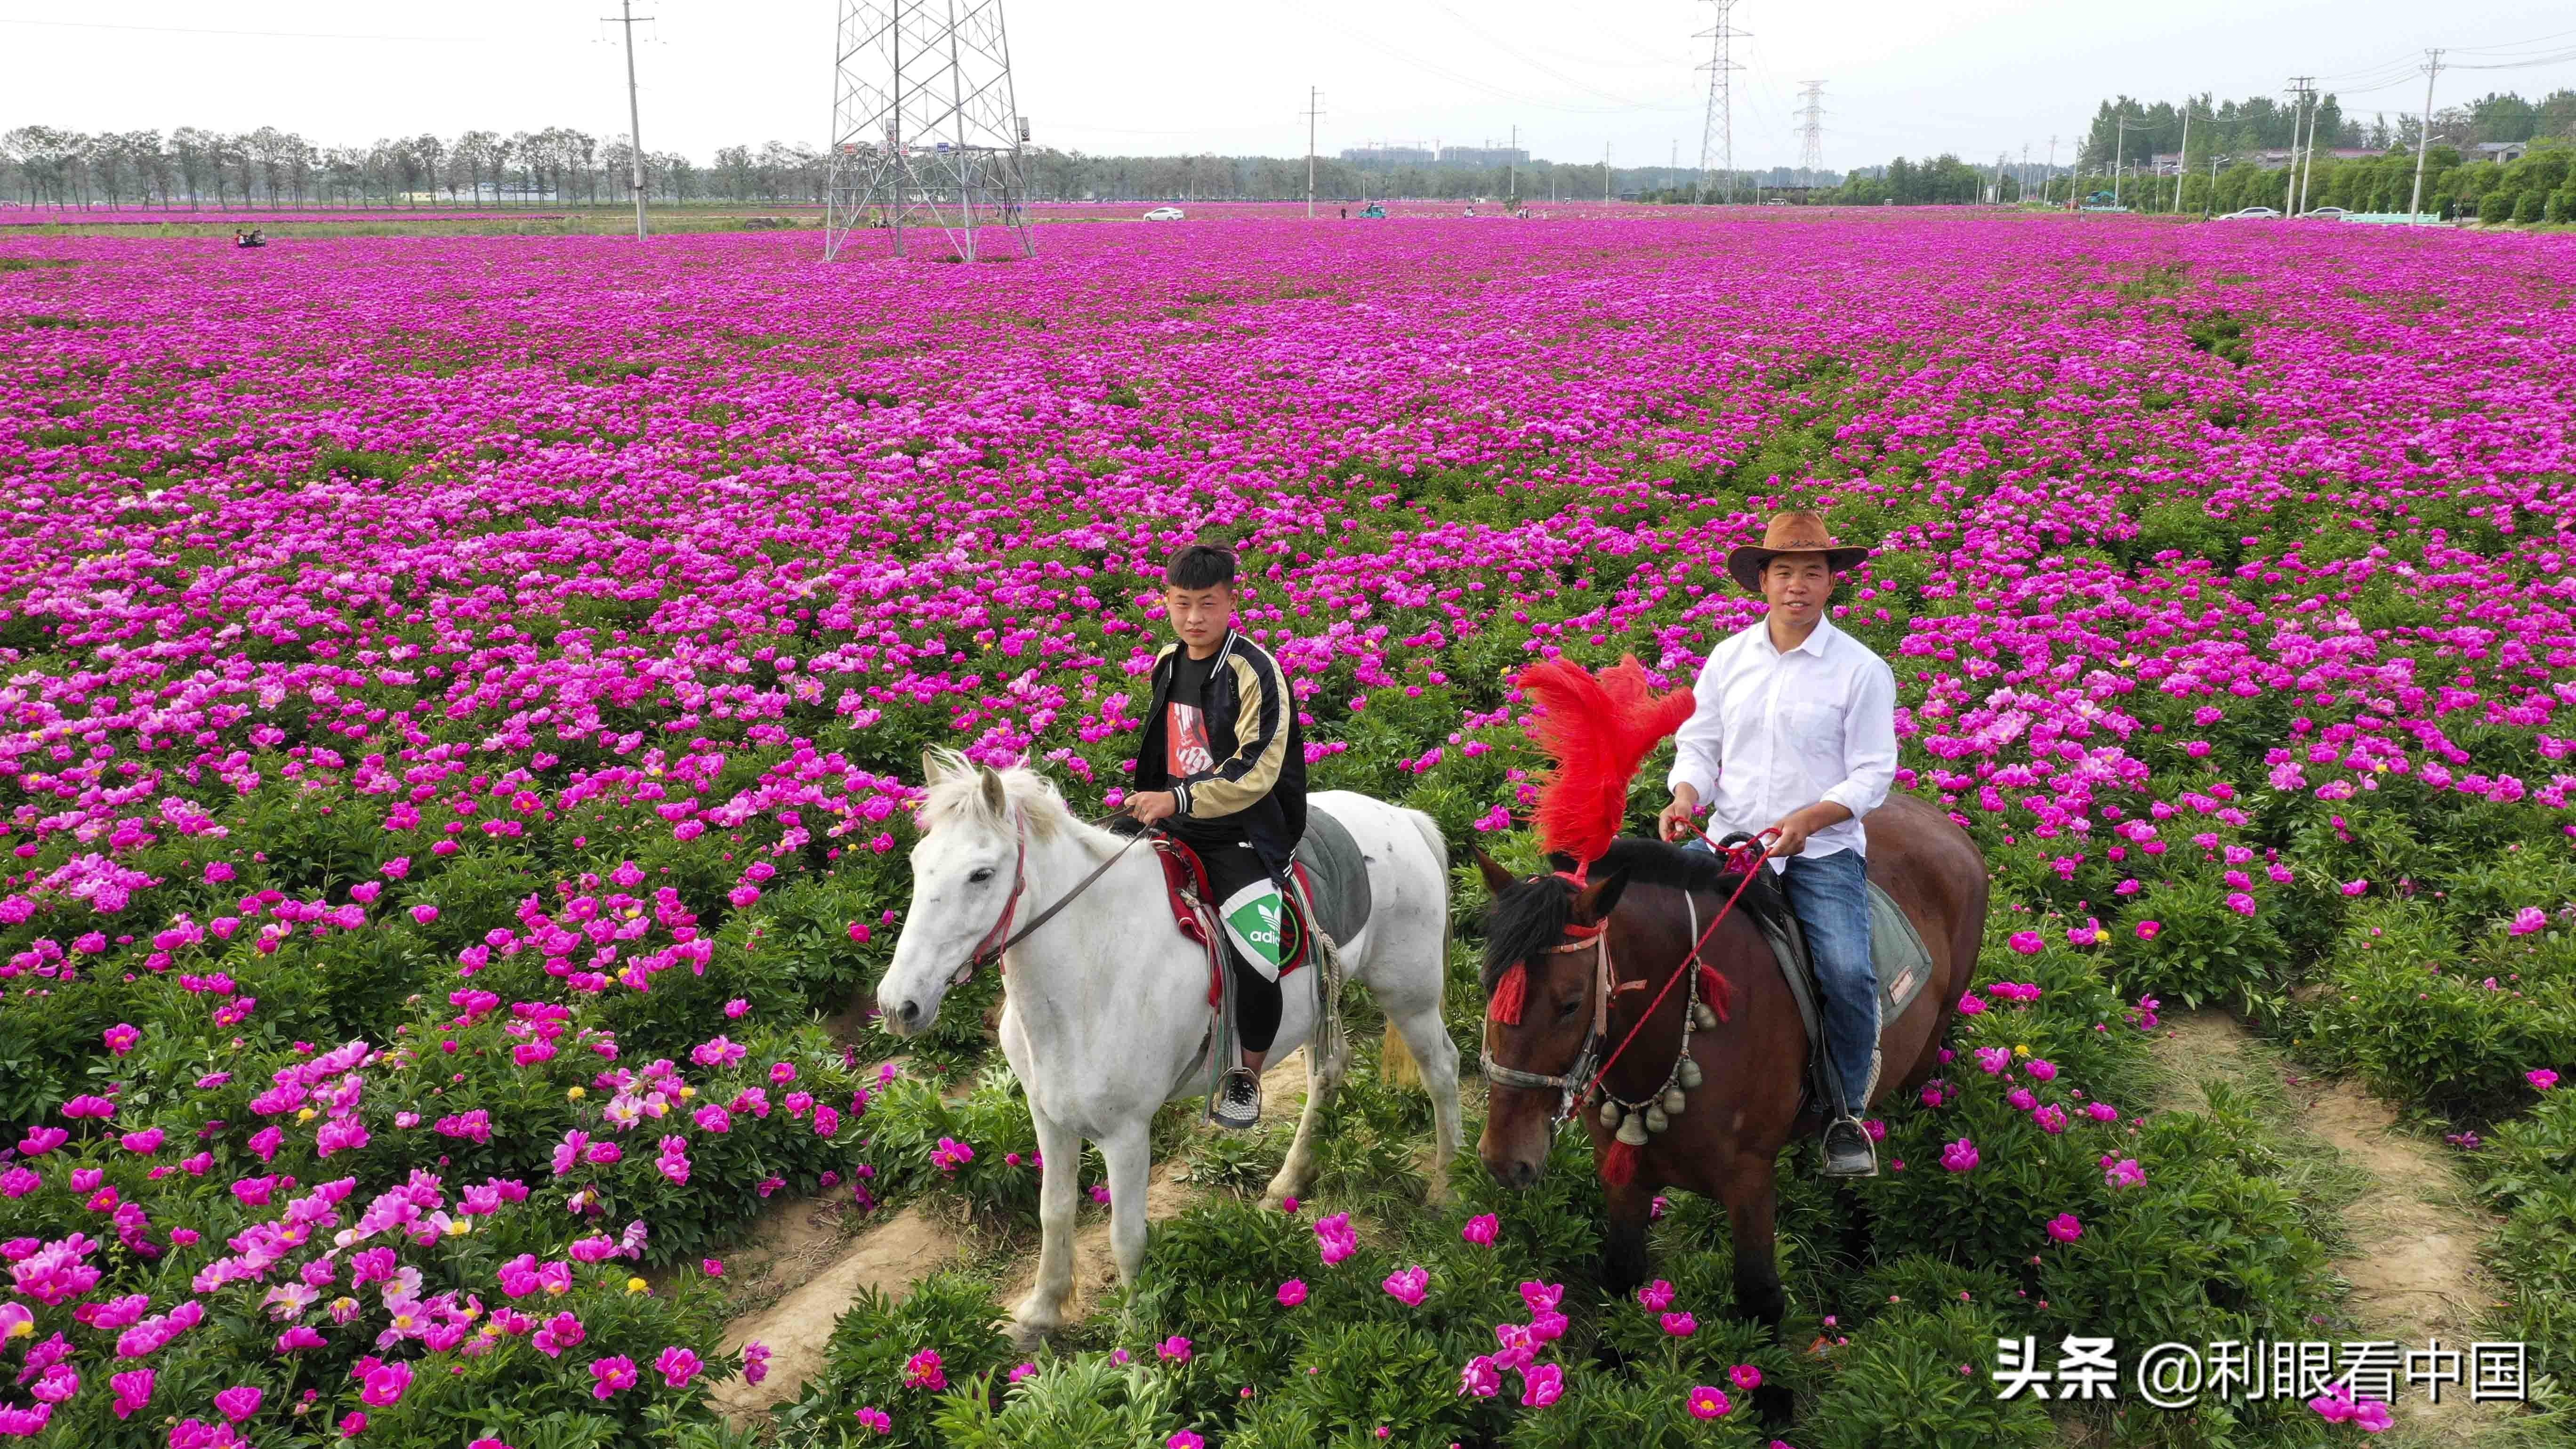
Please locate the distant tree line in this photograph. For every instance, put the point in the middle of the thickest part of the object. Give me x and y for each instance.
(191, 167)
(2264, 123)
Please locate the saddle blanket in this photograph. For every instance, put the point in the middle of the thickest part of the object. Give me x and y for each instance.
(1897, 956)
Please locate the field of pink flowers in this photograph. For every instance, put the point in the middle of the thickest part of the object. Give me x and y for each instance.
(458, 697)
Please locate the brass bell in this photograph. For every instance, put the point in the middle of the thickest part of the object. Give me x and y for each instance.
(1655, 1119)
(1609, 1114)
(1674, 1101)
(1633, 1131)
(1689, 1075)
(1702, 1017)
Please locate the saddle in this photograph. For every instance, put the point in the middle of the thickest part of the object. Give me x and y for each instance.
(1330, 894)
(1898, 958)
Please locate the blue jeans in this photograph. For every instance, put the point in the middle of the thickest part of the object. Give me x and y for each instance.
(1829, 894)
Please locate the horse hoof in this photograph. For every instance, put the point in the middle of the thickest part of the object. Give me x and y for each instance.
(1025, 1337)
(1774, 1403)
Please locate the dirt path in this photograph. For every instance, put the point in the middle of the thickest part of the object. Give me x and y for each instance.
(802, 1264)
(2415, 1230)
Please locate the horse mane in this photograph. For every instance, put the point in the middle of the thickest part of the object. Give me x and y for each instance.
(1596, 727)
(1532, 916)
(955, 792)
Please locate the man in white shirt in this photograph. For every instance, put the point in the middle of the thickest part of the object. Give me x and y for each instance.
(1796, 728)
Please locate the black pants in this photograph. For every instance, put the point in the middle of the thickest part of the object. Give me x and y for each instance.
(1232, 865)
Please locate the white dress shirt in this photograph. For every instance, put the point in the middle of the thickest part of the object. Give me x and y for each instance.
(1778, 732)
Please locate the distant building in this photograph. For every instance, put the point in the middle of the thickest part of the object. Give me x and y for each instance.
(1483, 156)
(1387, 156)
(2270, 158)
(2503, 153)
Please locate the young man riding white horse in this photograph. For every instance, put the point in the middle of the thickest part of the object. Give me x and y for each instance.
(1796, 729)
(1105, 1013)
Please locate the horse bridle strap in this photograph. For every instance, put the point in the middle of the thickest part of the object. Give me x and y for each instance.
(993, 944)
(1569, 1084)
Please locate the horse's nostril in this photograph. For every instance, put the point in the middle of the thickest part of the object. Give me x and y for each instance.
(911, 1012)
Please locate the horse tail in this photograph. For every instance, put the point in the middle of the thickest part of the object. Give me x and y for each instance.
(1396, 1066)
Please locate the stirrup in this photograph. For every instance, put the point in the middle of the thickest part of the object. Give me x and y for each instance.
(1857, 1157)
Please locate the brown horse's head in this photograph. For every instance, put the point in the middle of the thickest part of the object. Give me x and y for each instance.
(1541, 1006)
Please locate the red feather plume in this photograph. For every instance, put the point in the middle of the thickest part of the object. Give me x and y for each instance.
(1596, 727)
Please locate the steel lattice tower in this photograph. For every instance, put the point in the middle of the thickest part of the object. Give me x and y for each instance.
(925, 131)
(1811, 133)
(1717, 133)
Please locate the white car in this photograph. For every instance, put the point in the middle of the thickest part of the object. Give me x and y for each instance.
(2326, 213)
(1164, 213)
(2252, 213)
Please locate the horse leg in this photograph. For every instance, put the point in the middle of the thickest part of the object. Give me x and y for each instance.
(1428, 1039)
(1623, 1248)
(1043, 1310)
(1325, 1065)
(1752, 1199)
(1859, 1243)
(1129, 1152)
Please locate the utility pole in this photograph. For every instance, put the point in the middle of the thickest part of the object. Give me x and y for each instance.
(1717, 129)
(2424, 134)
(2298, 112)
(1512, 172)
(1811, 133)
(1605, 173)
(634, 113)
(1314, 104)
(2304, 161)
(2119, 154)
(2182, 157)
(2052, 167)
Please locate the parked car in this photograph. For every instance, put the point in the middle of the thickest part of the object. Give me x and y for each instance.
(1164, 213)
(2252, 213)
(2326, 213)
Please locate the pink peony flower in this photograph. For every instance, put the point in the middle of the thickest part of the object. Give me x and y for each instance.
(1709, 1402)
(1292, 1293)
(2065, 1228)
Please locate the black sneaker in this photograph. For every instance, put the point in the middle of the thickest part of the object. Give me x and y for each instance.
(1848, 1152)
(1238, 1101)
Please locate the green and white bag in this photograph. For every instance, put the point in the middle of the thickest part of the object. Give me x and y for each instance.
(1253, 919)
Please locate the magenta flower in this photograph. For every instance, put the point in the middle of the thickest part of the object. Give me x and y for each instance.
(755, 1362)
(677, 1366)
(2065, 1228)
(1680, 1325)
(870, 1418)
(1655, 1297)
(1480, 1229)
(1174, 1349)
(2147, 929)
(2124, 1173)
(1542, 1385)
(1960, 1156)
(2028, 943)
(121, 1038)
(385, 1385)
(611, 1375)
(1480, 1377)
(1184, 1439)
(2541, 1079)
(2528, 920)
(923, 1371)
(1709, 1402)
(1745, 1377)
(1408, 1286)
(239, 1402)
(1292, 1293)
(1336, 1239)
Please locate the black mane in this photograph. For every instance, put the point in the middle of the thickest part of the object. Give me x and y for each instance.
(1532, 916)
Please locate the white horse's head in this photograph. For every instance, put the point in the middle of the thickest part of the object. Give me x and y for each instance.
(963, 869)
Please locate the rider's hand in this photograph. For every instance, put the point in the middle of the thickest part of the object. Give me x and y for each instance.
(1676, 815)
(1154, 805)
(1792, 838)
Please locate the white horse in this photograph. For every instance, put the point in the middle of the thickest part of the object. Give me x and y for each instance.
(1105, 1014)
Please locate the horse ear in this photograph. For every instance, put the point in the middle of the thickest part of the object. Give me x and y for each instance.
(1497, 879)
(996, 799)
(930, 767)
(1595, 902)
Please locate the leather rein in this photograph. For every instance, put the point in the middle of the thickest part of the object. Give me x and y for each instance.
(994, 943)
(1575, 1084)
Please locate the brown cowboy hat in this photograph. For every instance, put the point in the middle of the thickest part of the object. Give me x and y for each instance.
(1796, 531)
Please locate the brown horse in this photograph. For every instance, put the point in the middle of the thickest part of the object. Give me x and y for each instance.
(1726, 1143)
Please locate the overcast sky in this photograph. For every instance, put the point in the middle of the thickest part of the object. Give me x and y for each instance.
(1976, 77)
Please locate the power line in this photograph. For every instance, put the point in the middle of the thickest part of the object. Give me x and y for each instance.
(256, 34)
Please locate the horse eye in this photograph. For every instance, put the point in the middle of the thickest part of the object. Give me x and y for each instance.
(1567, 1011)
(980, 876)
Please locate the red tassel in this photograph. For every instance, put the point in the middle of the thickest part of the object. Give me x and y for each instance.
(1506, 1007)
(1619, 1164)
(1714, 989)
